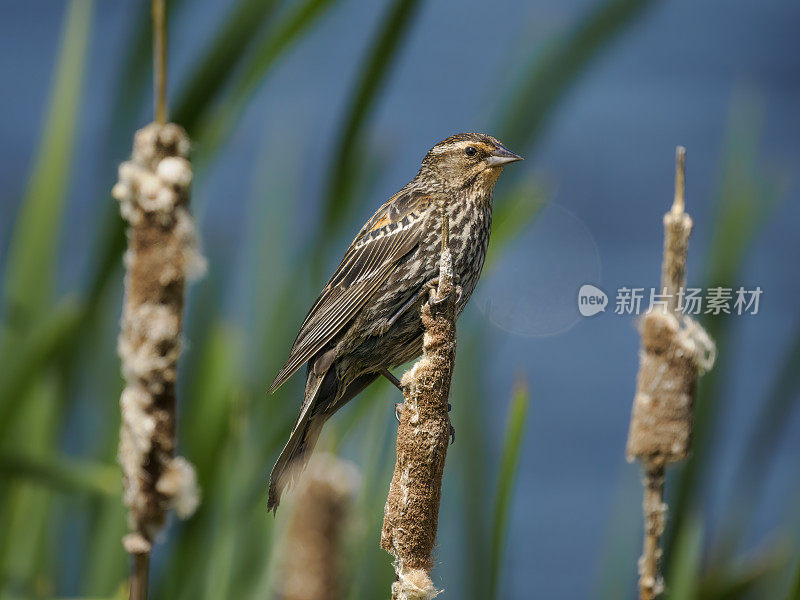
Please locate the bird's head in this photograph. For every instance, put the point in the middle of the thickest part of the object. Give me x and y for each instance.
(468, 160)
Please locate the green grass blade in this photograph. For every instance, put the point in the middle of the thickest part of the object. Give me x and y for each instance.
(368, 571)
(371, 78)
(531, 105)
(26, 534)
(212, 131)
(227, 523)
(215, 67)
(32, 258)
(471, 461)
(107, 562)
(743, 580)
(23, 362)
(767, 432)
(623, 544)
(512, 448)
(63, 473)
(794, 592)
(682, 582)
(209, 400)
(26, 342)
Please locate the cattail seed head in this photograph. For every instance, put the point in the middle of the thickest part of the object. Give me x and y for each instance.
(162, 254)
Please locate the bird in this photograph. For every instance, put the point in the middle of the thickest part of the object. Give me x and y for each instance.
(366, 320)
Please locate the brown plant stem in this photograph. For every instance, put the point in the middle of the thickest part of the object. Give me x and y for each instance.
(675, 350)
(139, 575)
(412, 506)
(159, 14)
(654, 519)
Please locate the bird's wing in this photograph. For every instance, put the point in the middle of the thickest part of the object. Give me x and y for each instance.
(391, 233)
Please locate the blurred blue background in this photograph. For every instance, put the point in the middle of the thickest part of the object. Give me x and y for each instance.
(720, 78)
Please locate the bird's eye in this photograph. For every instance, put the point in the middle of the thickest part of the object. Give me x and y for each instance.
(470, 151)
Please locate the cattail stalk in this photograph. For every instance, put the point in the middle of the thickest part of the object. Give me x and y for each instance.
(162, 254)
(675, 350)
(412, 507)
(159, 13)
(310, 569)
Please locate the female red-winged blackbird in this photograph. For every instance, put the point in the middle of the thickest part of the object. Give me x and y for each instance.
(367, 318)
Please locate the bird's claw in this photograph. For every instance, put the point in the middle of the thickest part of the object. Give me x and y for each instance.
(431, 287)
(452, 434)
(458, 291)
(433, 284)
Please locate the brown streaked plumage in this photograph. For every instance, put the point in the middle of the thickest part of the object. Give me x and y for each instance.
(367, 318)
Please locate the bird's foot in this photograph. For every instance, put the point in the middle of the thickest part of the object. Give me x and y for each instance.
(433, 284)
(398, 407)
(428, 286)
(434, 299)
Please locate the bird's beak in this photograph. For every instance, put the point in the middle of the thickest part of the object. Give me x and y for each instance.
(502, 156)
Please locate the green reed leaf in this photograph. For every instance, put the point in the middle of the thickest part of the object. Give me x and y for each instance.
(512, 449)
(217, 65)
(33, 254)
(746, 579)
(63, 473)
(532, 104)
(25, 531)
(24, 358)
(682, 581)
(213, 130)
(372, 76)
(768, 429)
(794, 591)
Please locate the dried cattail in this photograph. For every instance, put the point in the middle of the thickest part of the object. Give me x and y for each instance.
(675, 349)
(153, 192)
(310, 569)
(673, 352)
(412, 507)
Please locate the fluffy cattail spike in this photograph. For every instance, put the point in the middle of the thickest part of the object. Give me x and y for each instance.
(153, 192)
(412, 507)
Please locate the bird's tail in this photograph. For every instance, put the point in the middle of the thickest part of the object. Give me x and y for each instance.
(320, 389)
